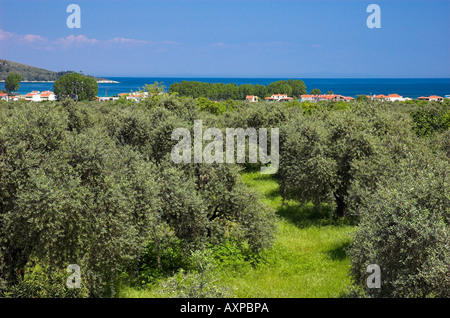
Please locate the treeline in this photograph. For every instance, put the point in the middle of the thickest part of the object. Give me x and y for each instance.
(221, 91)
(93, 184)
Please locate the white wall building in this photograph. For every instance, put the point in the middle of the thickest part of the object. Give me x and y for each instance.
(279, 97)
(36, 96)
(48, 95)
(251, 98)
(394, 97)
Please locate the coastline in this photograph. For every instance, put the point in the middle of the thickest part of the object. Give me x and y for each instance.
(98, 82)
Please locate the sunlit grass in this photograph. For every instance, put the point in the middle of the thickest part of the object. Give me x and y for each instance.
(309, 248)
(307, 259)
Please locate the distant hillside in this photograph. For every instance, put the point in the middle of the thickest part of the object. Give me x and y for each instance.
(33, 74)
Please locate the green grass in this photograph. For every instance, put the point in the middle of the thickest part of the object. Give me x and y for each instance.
(307, 259)
(309, 250)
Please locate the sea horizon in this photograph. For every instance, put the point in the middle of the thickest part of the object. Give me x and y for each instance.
(407, 87)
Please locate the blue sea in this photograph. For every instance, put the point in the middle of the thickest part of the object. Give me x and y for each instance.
(407, 87)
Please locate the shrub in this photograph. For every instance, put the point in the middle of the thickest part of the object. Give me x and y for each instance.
(430, 118)
(198, 283)
(70, 198)
(324, 156)
(404, 228)
(39, 281)
(92, 184)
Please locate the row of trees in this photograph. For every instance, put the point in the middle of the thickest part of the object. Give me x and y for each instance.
(387, 169)
(93, 184)
(383, 166)
(221, 91)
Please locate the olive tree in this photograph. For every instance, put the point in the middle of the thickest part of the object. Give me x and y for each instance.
(404, 229)
(70, 198)
(325, 156)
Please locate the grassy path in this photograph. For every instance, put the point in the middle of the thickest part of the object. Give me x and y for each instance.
(309, 250)
(307, 259)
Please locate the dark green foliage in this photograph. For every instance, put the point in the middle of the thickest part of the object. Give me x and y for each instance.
(76, 86)
(71, 198)
(220, 91)
(12, 82)
(362, 98)
(93, 184)
(430, 118)
(315, 91)
(324, 156)
(210, 106)
(41, 282)
(404, 229)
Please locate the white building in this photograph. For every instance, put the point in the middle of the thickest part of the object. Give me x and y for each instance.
(394, 97)
(36, 96)
(48, 95)
(279, 97)
(3, 96)
(432, 98)
(325, 97)
(251, 98)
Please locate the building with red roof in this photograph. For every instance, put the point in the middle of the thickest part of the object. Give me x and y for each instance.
(279, 98)
(432, 98)
(251, 98)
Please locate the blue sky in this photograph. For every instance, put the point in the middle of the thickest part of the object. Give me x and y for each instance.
(230, 38)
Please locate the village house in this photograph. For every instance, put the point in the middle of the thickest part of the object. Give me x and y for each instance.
(379, 97)
(36, 96)
(251, 98)
(325, 97)
(432, 98)
(390, 97)
(394, 97)
(3, 96)
(278, 98)
(47, 95)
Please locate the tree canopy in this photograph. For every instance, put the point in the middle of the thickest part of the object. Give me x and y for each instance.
(315, 91)
(221, 91)
(12, 82)
(76, 86)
